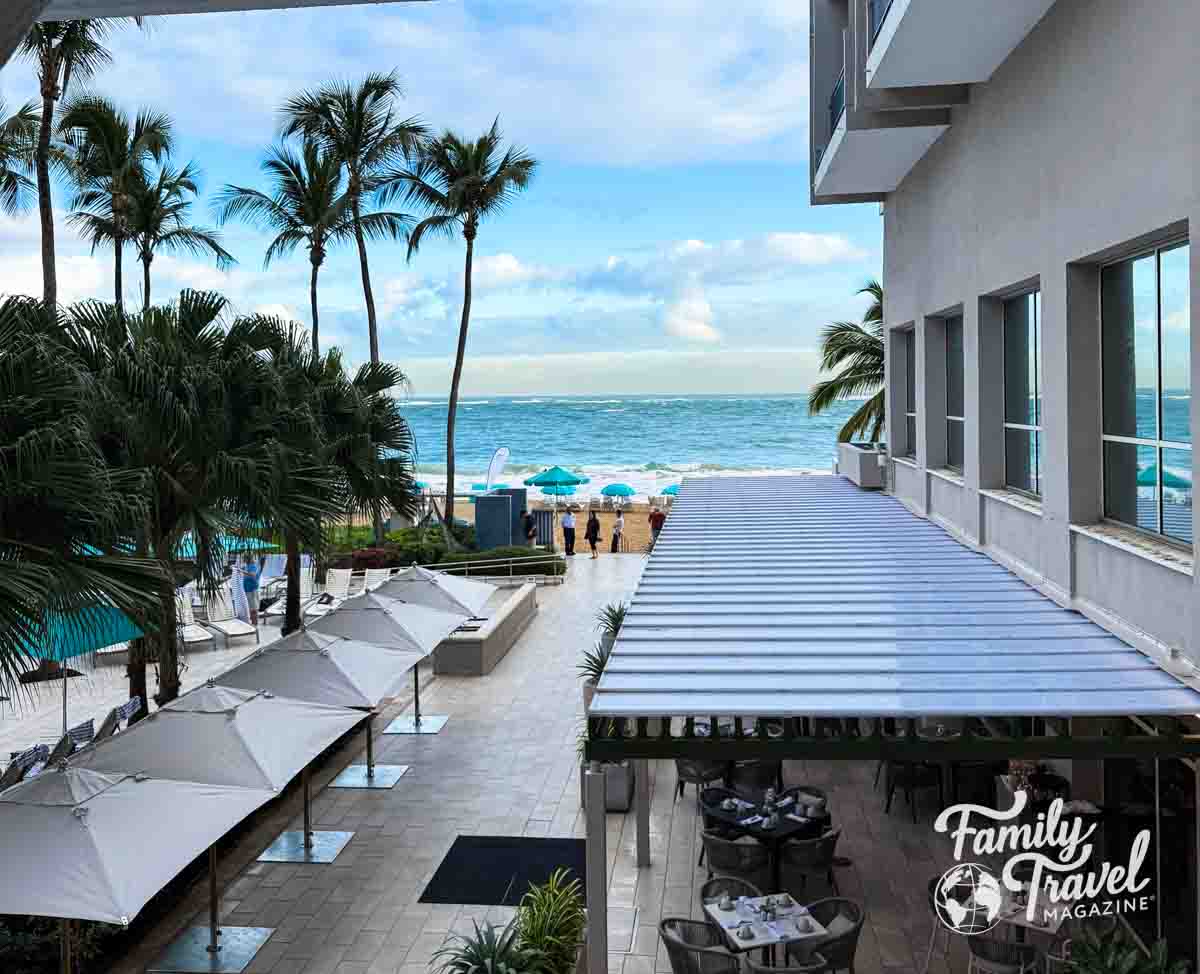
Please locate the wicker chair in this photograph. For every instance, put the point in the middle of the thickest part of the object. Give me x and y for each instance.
(843, 919)
(718, 886)
(911, 777)
(813, 964)
(743, 860)
(751, 779)
(698, 773)
(802, 858)
(694, 947)
(992, 956)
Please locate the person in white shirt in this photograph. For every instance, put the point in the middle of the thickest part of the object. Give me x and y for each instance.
(618, 530)
(568, 526)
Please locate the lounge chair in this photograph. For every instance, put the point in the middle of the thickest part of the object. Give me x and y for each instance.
(376, 577)
(357, 585)
(21, 763)
(279, 607)
(222, 618)
(606, 504)
(594, 504)
(337, 582)
(190, 632)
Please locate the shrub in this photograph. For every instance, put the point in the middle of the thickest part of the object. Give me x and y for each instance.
(30, 945)
(489, 950)
(551, 921)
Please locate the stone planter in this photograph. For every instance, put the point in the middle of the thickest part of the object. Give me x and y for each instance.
(618, 786)
(860, 463)
(589, 691)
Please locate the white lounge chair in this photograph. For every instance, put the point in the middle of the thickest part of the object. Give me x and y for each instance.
(358, 583)
(337, 582)
(223, 619)
(279, 607)
(191, 633)
(376, 577)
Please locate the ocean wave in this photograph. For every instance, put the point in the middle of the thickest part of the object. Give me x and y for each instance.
(422, 402)
(526, 402)
(588, 402)
(476, 402)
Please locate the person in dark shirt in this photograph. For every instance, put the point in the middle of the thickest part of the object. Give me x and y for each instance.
(657, 520)
(530, 525)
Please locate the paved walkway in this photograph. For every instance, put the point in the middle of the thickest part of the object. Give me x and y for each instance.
(506, 765)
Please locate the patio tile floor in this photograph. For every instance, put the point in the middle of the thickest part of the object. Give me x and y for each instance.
(506, 764)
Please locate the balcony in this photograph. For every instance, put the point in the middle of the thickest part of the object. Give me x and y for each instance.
(869, 153)
(837, 101)
(919, 43)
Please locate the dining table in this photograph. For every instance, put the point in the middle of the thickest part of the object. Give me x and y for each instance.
(745, 926)
(747, 818)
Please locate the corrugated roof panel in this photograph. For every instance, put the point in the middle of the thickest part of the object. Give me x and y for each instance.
(805, 596)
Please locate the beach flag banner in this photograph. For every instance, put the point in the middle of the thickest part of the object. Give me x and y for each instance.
(496, 467)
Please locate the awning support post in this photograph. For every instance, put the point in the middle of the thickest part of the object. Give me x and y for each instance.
(641, 771)
(417, 695)
(306, 784)
(214, 930)
(371, 745)
(597, 869)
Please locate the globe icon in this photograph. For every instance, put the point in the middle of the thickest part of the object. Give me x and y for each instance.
(968, 899)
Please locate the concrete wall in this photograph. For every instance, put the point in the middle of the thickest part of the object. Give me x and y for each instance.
(1082, 148)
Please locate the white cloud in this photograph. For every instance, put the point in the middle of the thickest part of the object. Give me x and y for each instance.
(499, 271)
(690, 317)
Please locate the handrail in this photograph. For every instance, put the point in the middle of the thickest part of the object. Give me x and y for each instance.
(837, 102)
(879, 10)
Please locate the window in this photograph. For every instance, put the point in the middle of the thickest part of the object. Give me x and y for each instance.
(1023, 393)
(910, 394)
(954, 393)
(1146, 354)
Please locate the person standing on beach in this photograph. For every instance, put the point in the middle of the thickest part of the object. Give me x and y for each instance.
(530, 525)
(592, 532)
(568, 525)
(618, 530)
(657, 520)
(250, 573)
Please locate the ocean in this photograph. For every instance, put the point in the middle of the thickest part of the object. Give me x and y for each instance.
(648, 442)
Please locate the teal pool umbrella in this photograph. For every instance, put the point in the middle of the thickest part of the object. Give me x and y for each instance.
(672, 490)
(618, 490)
(485, 488)
(70, 635)
(561, 490)
(1148, 477)
(231, 544)
(556, 477)
(421, 485)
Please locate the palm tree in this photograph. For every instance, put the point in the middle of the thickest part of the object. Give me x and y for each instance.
(458, 184)
(306, 205)
(856, 349)
(62, 50)
(356, 123)
(18, 137)
(159, 222)
(111, 159)
(64, 512)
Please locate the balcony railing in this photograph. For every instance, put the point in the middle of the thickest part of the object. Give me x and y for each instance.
(878, 10)
(837, 102)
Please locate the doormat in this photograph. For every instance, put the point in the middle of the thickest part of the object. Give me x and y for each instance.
(496, 870)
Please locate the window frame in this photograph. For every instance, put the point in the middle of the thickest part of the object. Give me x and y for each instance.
(962, 368)
(1160, 444)
(1038, 429)
(909, 340)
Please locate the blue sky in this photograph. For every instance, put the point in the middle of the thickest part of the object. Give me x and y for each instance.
(666, 244)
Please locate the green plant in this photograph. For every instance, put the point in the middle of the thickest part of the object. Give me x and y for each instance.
(610, 619)
(591, 666)
(551, 921)
(489, 950)
(550, 564)
(1115, 952)
(30, 945)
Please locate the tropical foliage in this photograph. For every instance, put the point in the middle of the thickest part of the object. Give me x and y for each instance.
(18, 135)
(458, 184)
(1116, 952)
(488, 950)
(551, 920)
(855, 353)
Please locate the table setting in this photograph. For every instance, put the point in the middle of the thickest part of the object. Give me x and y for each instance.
(762, 921)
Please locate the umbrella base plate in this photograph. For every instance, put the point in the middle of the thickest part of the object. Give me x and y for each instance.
(189, 953)
(289, 847)
(430, 724)
(355, 776)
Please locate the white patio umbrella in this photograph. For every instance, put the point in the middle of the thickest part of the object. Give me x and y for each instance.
(437, 590)
(83, 845)
(374, 618)
(308, 665)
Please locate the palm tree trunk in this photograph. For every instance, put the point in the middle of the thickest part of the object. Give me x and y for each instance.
(312, 297)
(460, 355)
(291, 618)
(168, 652)
(372, 329)
(118, 284)
(146, 282)
(135, 670)
(45, 203)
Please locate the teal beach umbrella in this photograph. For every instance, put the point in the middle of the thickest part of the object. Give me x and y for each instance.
(421, 485)
(558, 490)
(618, 490)
(556, 477)
(231, 544)
(672, 490)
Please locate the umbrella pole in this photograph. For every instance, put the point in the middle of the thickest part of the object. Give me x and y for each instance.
(64, 679)
(417, 695)
(370, 746)
(306, 784)
(213, 902)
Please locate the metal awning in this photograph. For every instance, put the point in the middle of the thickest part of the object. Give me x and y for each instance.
(856, 626)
